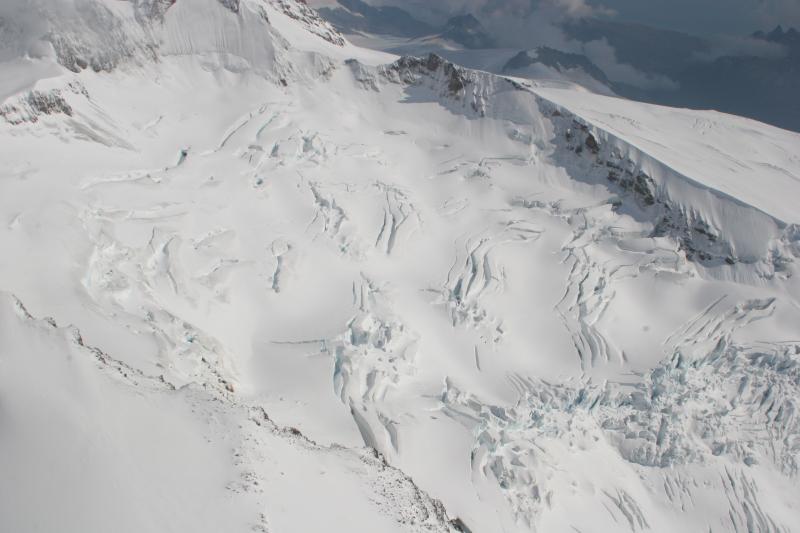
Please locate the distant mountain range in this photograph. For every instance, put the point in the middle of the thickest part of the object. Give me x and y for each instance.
(789, 38)
(467, 31)
(355, 16)
(694, 70)
(761, 87)
(555, 59)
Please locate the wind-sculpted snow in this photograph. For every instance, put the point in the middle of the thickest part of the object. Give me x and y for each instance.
(214, 425)
(316, 288)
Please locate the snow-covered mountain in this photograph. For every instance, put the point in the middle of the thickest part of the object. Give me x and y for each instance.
(467, 31)
(551, 64)
(356, 16)
(256, 278)
(754, 76)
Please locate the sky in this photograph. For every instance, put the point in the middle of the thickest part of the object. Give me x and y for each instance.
(526, 24)
(732, 17)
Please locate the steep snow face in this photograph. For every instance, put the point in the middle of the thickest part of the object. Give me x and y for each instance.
(102, 35)
(296, 285)
(730, 201)
(81, 34)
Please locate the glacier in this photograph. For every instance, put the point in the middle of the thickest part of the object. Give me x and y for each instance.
(257, 278)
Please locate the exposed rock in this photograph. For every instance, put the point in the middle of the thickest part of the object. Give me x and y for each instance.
(150, 10)
(354, 16)
(233, 5)
(35, 104)
(310, 19)
(97, 38)
(698, 240)
(467, 31)
(556, 59)
(407, 68)
(591, 144)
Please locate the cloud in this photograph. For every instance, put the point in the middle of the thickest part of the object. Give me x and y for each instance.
(604, 56)
(539, 23)
(495, 9)
(527, 24)
(702, 17)
(708, 17)
(774, 12)
(741, 47)
(577, 8)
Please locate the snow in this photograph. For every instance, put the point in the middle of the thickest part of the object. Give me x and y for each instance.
(750, 162)
(295, 286)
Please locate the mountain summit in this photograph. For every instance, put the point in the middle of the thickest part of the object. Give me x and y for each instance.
(467, 31)
(789, 38)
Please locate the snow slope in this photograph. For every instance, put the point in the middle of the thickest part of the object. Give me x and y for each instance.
(287, 274)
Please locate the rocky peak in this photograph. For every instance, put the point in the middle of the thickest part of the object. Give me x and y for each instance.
(789, 37)
(467, 31)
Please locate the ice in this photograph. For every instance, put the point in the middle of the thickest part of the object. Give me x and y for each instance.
(297, 285)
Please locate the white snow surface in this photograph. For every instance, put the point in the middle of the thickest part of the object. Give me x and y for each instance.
(256, 278)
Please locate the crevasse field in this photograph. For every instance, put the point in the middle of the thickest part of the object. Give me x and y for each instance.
(255, 278)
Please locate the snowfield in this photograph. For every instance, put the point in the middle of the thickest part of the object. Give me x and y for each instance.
(256, 278)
